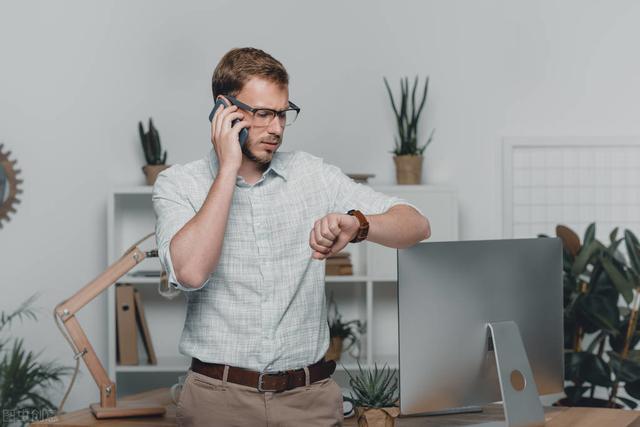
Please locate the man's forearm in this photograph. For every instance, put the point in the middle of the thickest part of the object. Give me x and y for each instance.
(399, 227)
(195, 249)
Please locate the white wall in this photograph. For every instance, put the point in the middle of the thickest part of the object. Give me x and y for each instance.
(76, 76)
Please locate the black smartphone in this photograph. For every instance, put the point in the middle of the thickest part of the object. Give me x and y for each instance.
(244, 133)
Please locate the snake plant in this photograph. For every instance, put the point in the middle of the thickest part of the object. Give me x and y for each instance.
(151, 145)
(407, 114)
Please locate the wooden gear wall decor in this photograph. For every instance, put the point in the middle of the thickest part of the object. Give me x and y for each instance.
(9, 185)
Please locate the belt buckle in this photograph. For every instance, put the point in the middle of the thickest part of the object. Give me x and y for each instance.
(260, 382)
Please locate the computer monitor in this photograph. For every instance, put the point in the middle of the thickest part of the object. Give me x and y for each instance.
(448, 293)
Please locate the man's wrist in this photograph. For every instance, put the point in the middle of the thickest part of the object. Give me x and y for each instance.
(357, 226)
(228, 170)
(363, 226)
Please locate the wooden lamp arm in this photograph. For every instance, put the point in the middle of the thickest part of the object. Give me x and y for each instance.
(107, 278)
(66, 310)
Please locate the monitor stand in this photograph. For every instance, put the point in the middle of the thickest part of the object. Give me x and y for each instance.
(520, 401)
(522, 407)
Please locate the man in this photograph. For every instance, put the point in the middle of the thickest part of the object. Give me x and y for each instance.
(244, 231)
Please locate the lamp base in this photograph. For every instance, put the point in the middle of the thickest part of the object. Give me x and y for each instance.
(127, 409)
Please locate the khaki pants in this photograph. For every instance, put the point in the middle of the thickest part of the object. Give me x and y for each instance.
(205, 401)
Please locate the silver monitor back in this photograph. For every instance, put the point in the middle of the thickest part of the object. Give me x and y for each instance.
(449, 291)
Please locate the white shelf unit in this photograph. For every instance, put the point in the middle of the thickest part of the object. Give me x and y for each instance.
(370, 294)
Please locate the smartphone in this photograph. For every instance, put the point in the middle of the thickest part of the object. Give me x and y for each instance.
(244, 133)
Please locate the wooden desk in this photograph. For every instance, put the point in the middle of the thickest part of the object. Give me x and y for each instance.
(84, 417)
(556, 417)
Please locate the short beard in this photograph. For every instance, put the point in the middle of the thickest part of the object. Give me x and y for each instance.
(263, 165)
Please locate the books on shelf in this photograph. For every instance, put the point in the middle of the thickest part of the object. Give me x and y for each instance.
(127, 343)
(361, 178)
(141, 320)
(130, 319)
(145, 273)
(339, 265)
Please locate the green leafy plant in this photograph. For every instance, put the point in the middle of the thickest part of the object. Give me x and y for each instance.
(350, 331)
(373, 388)
(407, 112)
(151, 145)
(24, 379)
(600, 334)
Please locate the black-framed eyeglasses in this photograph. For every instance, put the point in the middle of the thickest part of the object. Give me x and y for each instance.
(264, 116)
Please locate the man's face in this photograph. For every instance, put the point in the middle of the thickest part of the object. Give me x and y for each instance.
(263, 141)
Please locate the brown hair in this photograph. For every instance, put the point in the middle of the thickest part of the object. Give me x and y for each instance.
(241, 64)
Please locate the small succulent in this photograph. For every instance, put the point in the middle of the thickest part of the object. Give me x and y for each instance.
(151, 145)
(373, 388)
(407, 114)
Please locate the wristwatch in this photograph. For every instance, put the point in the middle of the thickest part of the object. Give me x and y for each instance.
(363, 231)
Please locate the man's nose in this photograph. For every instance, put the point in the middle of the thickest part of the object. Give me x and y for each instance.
(276, 126)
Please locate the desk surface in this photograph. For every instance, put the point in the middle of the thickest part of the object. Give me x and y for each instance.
(555, 417)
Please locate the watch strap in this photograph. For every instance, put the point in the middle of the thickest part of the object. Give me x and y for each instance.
(363, 230)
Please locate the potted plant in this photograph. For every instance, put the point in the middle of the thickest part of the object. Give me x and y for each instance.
(374, 396)
(342, 333)
(153, 154)
(600, 334)
(24, 379)
(408, 155)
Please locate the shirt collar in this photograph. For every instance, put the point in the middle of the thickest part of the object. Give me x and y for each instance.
(278, 164)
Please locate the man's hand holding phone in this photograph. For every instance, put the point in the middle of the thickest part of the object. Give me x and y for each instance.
(224, 134)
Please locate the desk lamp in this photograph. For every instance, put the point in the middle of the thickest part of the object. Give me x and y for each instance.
(65, 312)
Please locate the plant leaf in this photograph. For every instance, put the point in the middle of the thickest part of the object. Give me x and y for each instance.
(586, 367)
(633, 389)
(584, 255)
(619, 280)
(589, 234)
(633, 249)
(624, 370)
(570, 240)
(574, 393)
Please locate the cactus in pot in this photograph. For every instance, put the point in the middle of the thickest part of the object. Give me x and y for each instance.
(156, 159)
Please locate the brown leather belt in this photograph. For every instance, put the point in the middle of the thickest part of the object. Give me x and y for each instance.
(263, 381)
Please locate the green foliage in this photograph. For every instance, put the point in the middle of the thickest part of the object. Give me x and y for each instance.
(24, 379)
(350, 331)
(151, 145)
(407, 113)
(373, 388)
(595, 276)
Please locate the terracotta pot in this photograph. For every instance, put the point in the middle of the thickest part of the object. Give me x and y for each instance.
(376, 417)
(588, 402)
(335, 349)
(152, 171)
(408, 169)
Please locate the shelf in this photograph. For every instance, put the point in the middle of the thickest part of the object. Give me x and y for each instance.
(391, 360)
(345, 279)
(127, 278)
(165, 364)
(328, 279)
(353, 367)
(419, 188)
(140, 189)
(351, 363)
